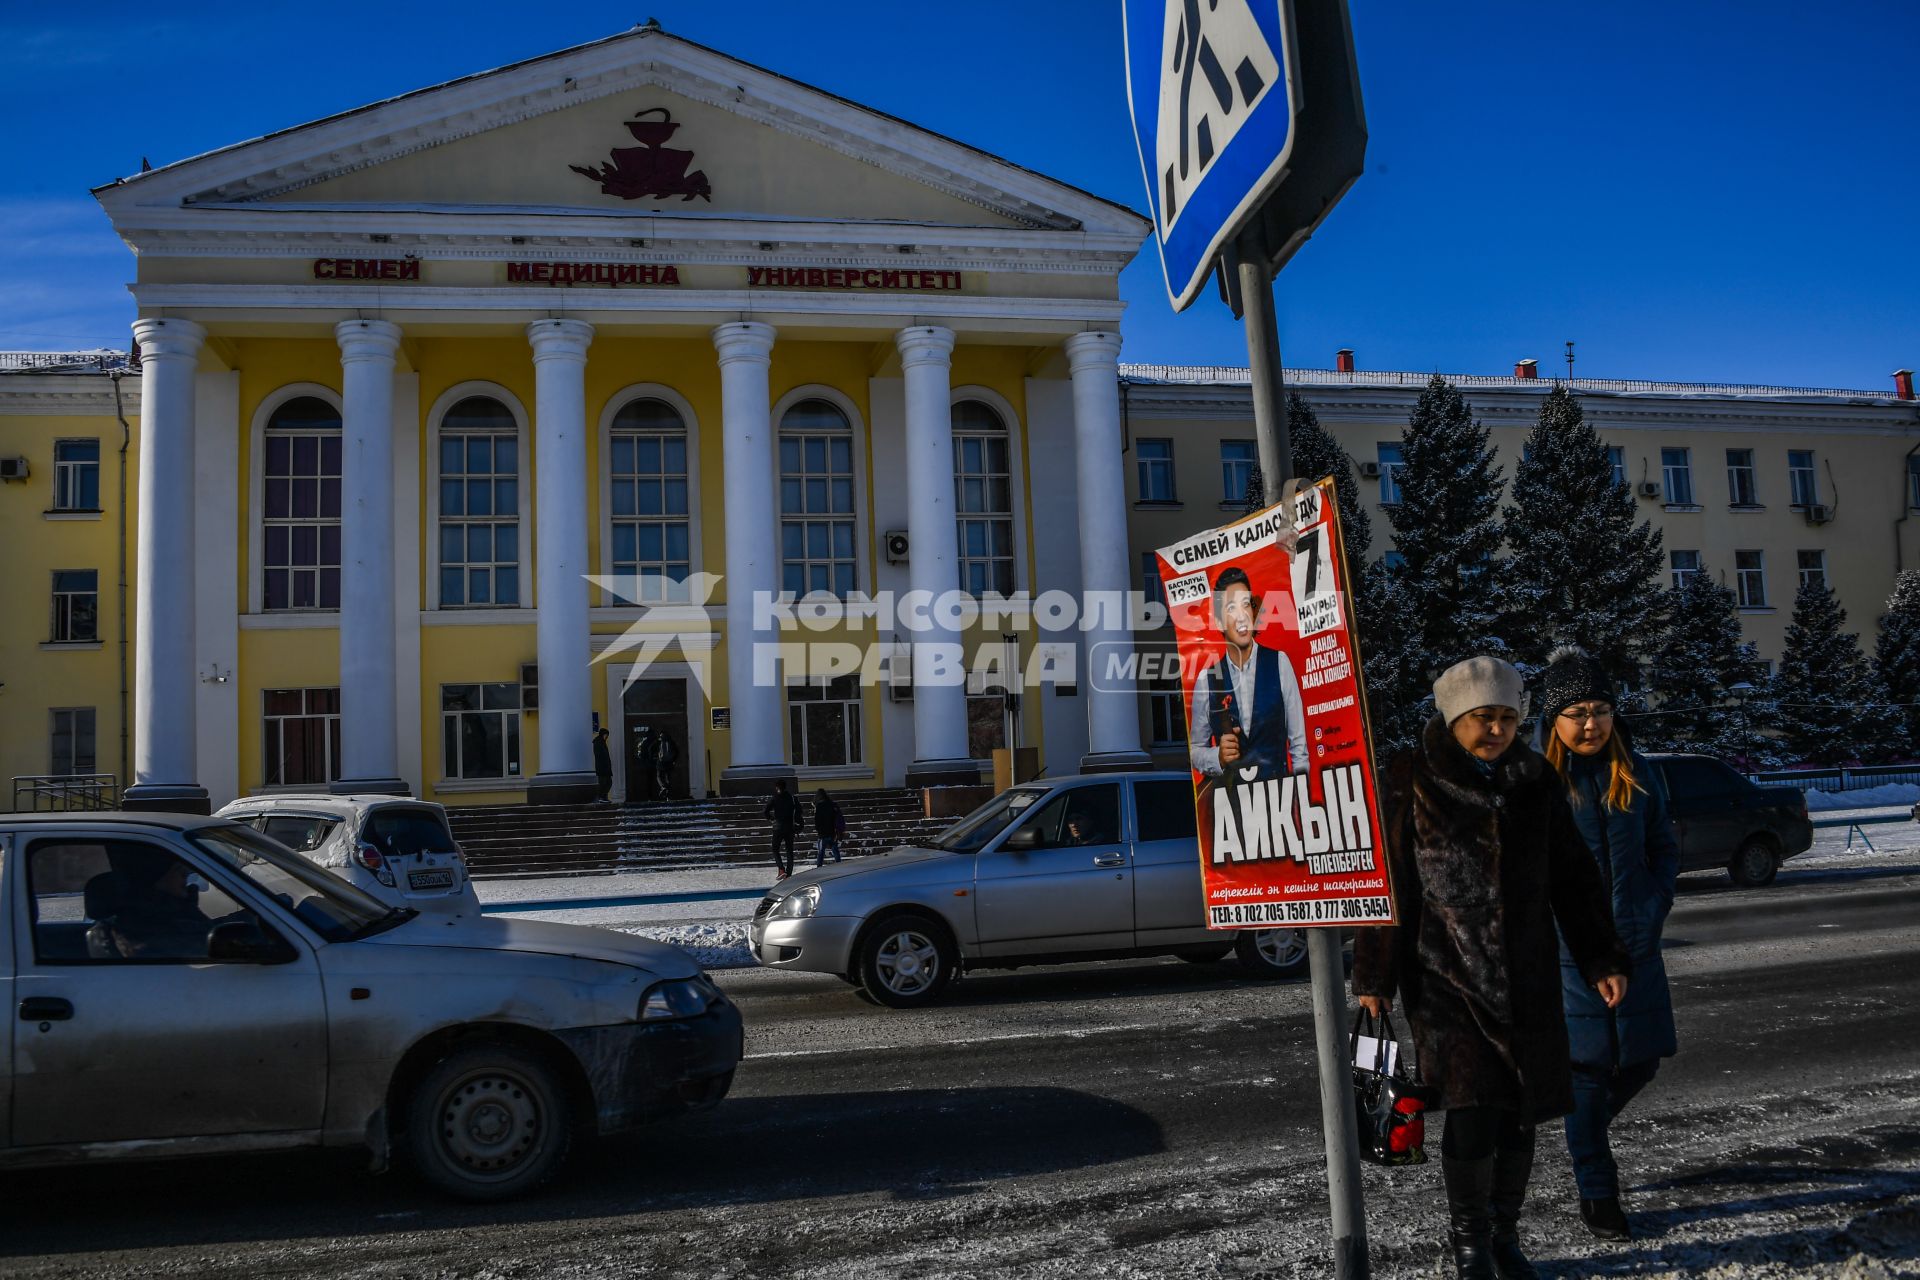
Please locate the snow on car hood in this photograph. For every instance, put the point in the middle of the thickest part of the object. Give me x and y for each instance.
(538, 937)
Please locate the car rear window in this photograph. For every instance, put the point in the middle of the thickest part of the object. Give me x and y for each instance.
(401, 833)
(298, 833)
(1163, 809)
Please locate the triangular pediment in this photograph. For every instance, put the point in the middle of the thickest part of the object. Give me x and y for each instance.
(639, 124)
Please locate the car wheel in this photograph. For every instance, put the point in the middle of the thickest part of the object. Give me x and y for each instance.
(1754, 865)
(906, 961)
(1213, 955)
(1271, 953)
(489, 1122)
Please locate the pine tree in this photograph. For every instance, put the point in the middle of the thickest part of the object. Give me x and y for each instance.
(1583, 569)
(1446, 529)
(1828, 703)
(1695, 669)
(1896, 657)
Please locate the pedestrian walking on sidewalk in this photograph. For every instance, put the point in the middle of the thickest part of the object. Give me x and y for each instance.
(829, 824)
(1620, 806)
(602, 764)
(785, 812)
(1484, 859)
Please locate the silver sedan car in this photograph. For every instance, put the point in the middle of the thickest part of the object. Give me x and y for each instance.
(1083, 868)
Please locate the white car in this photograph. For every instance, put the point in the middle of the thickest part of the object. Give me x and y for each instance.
(399, 850)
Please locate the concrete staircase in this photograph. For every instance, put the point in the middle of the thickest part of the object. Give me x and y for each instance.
(514, 840)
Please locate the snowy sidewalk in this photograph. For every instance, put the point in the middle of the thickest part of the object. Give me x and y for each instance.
(704, 911)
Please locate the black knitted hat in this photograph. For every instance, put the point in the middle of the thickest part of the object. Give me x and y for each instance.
(1573, 676)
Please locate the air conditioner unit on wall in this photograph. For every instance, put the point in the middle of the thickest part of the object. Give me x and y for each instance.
(1648, 489)
(1819, 513)
(13, 469)
(894, 541)
(1369, 471)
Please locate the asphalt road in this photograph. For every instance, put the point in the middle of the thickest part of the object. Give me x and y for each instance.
(1147, 1118)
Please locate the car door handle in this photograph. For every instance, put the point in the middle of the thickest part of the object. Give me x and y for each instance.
(45, 1009)
(1110, 860)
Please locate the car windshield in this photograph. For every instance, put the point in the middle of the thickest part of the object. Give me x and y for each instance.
(330, 907)
(971, 833)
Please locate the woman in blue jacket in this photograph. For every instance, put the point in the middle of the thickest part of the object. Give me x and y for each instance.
(1620, 806)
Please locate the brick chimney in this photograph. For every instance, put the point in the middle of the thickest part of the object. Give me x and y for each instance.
(1903, 384)
(1343, 363)
(1526, 369)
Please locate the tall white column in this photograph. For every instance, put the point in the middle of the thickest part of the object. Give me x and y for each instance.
(165, 671)
(753, 553)
(369, 734)
(560, 536)
(940, 753)
(1113, 714)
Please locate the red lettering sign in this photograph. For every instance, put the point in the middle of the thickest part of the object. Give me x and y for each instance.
(366, 268)
(848, 278)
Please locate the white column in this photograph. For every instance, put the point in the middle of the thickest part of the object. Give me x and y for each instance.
(1113, 714)
(369, 735)
(757, 749)
(164, 662)
(560, 541)
(933, 550)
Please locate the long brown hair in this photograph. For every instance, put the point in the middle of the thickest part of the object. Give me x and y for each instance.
(1621, 782)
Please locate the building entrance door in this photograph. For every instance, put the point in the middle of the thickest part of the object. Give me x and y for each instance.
(654, 707)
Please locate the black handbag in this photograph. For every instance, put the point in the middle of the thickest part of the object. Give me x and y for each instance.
(1389, 1100)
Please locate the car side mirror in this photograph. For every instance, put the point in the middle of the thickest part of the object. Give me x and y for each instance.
(247, 942)
(1022, 840)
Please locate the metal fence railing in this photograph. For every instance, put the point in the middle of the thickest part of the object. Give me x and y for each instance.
(55, 792)
(1850, 779)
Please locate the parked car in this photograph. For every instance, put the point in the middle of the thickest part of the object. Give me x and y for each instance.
(1723, 820)
(397, 849)
(1083, 868)
(188, 986)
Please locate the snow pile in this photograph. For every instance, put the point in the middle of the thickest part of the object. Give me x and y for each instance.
(714, 944)
(1864, 797)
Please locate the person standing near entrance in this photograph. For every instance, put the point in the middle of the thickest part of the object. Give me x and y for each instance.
(640, 764)
(666, 754)
(602, 763)
(828, 825)
(785, 812)
(1620, 806)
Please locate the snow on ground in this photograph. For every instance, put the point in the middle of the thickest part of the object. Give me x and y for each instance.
(1893, 793)
(714, 944)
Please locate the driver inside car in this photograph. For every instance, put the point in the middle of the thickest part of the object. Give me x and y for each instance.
(1082, 829)
(156, 915)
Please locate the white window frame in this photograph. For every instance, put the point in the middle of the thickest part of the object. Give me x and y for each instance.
(61, 619)
(1143, 467)
(1735, 472)
(853, 722)
(1390, 470)
(273, 736)
(1807, 572)
(1617, 459)
(73, 737)
(1796, 497)
(1244, 467)
(1011, 476)
(518, 724)
(1682, 572)
(1683, 469)
(1016, 461)
(862, 556)
(523, 490)
(1152, 589)
(1165, 703)
(695, 517)
(67, 473)
(1752, 590)
(257, 492)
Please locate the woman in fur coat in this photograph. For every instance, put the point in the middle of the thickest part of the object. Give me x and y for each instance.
(1485, 858)
(1620, 806)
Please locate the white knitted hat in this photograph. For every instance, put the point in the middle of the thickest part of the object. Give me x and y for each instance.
(1479, 682)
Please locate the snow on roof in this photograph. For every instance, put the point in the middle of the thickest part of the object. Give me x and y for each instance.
(1218, 375)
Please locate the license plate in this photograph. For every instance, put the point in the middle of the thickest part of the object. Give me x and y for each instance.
(430, 879)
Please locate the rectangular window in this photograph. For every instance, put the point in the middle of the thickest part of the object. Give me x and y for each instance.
(72, 741)
(1740, 487)
(479, 519)
(1237, 459)
(816, 506)
(76, 605)
(651, 547)
(1391, 460)
(76, 475)
(1676, 475)
(480, 730)
(983, 487)
(300, 520)
(1154, 460)
(1685, 565)
(986, 724)
(1150, 587)
(1913, 483)
(1803, 482)
(1168, 714)
(1813, 568)
(1617, 459)
(823, 721)
(301, 737)
(1750, 567)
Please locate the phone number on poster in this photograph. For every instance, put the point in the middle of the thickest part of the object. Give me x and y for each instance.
(1318, 911)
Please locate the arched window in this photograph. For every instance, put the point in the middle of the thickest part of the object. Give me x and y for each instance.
(300, 506)
(983, 499)
(479, 505)
(647, 474)
(816, 499)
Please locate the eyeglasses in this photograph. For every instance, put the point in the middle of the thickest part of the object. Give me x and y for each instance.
(1588, 717)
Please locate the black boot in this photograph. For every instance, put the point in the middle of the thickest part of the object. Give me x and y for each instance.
(1605, 1218)
(1469, 1185)
(1511, 1169)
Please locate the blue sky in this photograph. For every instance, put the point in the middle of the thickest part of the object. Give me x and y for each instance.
(1688, 190)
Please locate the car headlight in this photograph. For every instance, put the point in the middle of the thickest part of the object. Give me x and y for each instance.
(798, 906)
(679, 998)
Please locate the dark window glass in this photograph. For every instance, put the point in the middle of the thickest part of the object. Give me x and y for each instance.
(1164, 809)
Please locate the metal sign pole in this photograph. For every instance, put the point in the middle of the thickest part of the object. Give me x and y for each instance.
(1254, 281)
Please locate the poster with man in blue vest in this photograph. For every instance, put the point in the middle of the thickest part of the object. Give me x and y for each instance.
(1276, 720)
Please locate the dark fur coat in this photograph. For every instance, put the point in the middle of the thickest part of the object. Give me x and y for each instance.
(1483, 866)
